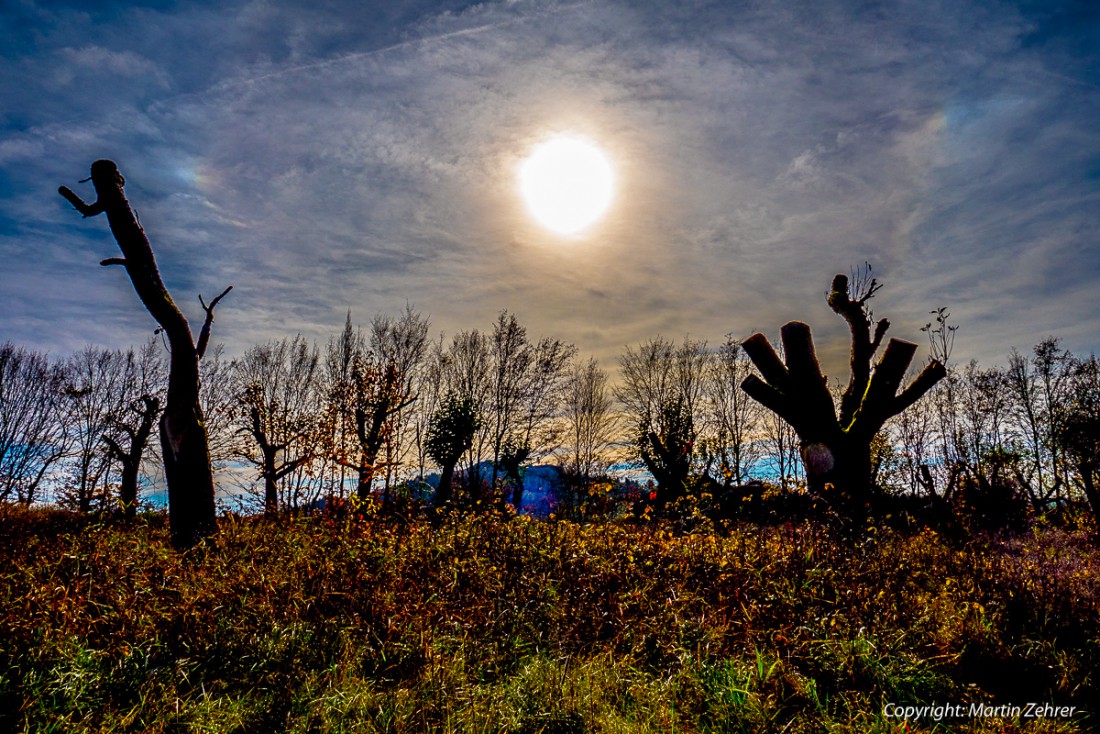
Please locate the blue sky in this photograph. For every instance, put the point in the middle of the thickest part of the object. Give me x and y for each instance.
(327, 155)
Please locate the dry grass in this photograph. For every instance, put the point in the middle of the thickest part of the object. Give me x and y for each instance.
(496, 623)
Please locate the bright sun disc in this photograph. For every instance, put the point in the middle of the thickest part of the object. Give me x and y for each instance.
(567, 184)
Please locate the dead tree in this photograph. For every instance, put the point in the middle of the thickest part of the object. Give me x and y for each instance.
(191, 510)
(836, 448)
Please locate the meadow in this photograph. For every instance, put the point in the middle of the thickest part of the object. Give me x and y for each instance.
(488, 621)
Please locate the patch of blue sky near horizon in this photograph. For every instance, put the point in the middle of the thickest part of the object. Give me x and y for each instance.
(321, 158)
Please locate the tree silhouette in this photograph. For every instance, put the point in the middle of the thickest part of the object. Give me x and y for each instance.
(1079, 432)
(147, 409)
(666, 446)
(450, 435)
(191, 510)
(836, 446)
(33, 438)
(377, 396)
(662, 394)
(278, 408)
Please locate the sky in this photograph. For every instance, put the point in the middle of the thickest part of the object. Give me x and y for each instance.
(331, 155)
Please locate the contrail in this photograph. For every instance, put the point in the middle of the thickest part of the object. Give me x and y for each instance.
(411, 43)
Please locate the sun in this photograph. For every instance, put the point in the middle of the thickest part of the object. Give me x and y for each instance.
(567, 184)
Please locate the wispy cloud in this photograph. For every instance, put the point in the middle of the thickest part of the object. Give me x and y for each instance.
(327, 156)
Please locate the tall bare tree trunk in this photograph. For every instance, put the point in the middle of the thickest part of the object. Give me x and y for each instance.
(191, 510)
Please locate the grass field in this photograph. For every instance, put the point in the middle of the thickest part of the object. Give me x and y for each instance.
(489, 622)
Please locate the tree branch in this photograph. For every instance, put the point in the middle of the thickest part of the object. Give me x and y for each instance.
(88, 210)
(807, 384)
(767, 396)
(290, 466)
(879, 398)
(763, 356)
(204, 333)
(854, 312)
(925, 381)
(114, 449)
(880, 331)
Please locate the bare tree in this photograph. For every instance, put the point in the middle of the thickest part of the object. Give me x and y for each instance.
(336, 384)
(187, 470)
(279, 409)
(429, 388)
(378, 393)
(980, 423)
(947, 463)
(399, 344)
(218, 397)
(836, 446)
(535, 432)
(733, 418)
(97, 388)
(510, 357)
(32, 435)
(368, 389)
(466, 375)
(590, 420)
(126, 441)
(780, 444)
(913, 433)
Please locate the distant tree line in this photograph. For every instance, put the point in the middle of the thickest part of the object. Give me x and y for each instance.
(369, 417)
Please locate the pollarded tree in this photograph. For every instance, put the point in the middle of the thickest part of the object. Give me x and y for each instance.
(191, 509)
(836, 444)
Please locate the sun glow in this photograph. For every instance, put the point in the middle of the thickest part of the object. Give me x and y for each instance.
(567, 184)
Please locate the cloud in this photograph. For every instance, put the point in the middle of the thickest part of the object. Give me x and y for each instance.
(323, 156)
(96, 61)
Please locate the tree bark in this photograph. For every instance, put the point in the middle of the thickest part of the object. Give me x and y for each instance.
(191, 509)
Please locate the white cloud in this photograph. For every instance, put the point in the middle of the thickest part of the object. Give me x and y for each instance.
(327, 161)
(96, 60)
